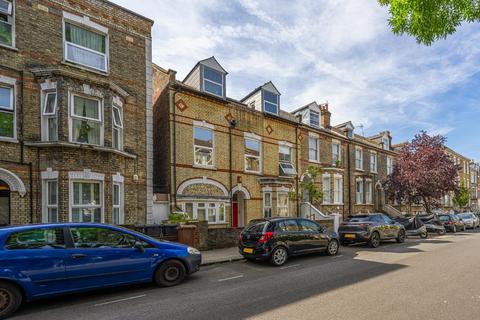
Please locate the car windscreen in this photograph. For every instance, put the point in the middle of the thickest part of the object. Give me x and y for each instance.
(444, 218)
(360, 218)
(465, 216)
(256, 226)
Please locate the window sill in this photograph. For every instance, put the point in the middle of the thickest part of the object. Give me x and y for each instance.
(79, 146)
(314, 161)
(252, 172)
(8, 47)
(85, 68)
(198, 166)
(359, 169)
(6, 139)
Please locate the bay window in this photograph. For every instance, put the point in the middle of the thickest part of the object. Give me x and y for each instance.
(338, 190)
(368, 191)
(86, 47)
(313, 149)
(117, 125)
(118, 215)
(49, 116)
(7, 112)
(253, 155)
(285, 159)
(213, 212)
(267, 204)
(86, 201)
(359, 191)
(282, 204)
(86, 120)
(326, 189)
(7, 25)
(203, 146)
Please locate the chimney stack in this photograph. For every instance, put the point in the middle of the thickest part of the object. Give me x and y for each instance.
(325, 116)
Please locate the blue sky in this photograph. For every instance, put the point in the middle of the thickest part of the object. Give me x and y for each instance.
(340, 51)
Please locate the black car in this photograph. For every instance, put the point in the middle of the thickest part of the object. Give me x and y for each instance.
(371, 228)
(276, 239)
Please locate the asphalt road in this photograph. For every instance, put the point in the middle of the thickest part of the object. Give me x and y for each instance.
(437, 278)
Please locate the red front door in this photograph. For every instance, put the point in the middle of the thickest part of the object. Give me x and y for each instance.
(235, 214)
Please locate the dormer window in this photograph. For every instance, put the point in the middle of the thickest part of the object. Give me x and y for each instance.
(386, 143)
(314, 119)
(270, 102)
(213, 81)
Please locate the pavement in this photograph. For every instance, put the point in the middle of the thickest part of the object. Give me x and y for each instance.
(434, 279)
(220, 256)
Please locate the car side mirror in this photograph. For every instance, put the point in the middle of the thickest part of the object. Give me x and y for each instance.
(138, 245)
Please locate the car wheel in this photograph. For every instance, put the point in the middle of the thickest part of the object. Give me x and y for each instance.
(279, 256)
(10, 299)
(424, 235)
(332, 248)
(170, 273)
(401, 236)
(374, 240)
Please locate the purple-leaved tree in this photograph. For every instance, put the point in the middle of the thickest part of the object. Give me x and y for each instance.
(423, 172)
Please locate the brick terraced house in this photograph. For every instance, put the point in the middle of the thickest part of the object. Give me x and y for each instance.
(228, 161)
(75, 112)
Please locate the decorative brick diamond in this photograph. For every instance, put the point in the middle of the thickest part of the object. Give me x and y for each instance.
(181, 105)
(229, 117)
(269, 129)
(300, 137)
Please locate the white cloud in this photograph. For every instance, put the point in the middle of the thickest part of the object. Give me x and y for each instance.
(336, 50)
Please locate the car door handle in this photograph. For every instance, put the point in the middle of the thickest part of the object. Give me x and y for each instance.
(78, 256)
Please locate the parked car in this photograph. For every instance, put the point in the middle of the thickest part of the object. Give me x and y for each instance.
(432, 223)
(276, 239)
(371, 228)
(470, 220)
(452, 222)
(39, 261)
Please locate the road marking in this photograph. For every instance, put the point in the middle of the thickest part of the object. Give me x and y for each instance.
(119, 300)
(231, 278)
(293, 265)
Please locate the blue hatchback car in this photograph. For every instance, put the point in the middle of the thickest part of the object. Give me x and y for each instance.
(38, 261)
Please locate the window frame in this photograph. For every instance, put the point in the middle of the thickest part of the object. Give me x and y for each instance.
(389, 165)
(259, 157)
(46, 116)
(45, 201)
(10, 14)
(120, 205)
(326, 190)
(338, 193)
(373, 155)
(265, 207)
(359, 193)
(339, 152)
(222, 85)
(10, 110)
(206, 206)
(287, 207)
(264, 102)
(90, 29)
(117, 129)
(72, 117)
(316, 149)
(317, 114)
(212, 149)
(74, 206)
(368, 187)
(358, 158)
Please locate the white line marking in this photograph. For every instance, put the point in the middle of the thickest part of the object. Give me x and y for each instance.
(119, 300)
(293, 265)
(231, 278)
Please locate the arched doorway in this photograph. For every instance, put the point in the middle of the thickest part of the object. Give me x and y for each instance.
(4, 203)
(238, 210)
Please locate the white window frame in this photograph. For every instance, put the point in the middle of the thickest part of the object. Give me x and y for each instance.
(316, 150)
(267, 195)
(12, 108)
(72, 116)
(337, 189)
(359, 192)
(120, 205)
(90, 26)
(45, 197)
(117, 128)
(336, 143)
(259, 157)
(386, 143)
(389, 165)
(214, 82)
(101, 197)
(373, 164)
(283, 193)
(207, 204)
(46, 116)
(264, 101)
(11, 21)
(317, 125)
(358, 158)
(203, 126)
(368, 191)
(326, 189)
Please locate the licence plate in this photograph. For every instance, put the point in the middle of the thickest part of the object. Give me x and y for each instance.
(349, 236)
(248, 250)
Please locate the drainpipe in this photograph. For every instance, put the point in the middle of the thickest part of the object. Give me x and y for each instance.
(174, 138)
(233, 124)
(349, 180)
(297, 166)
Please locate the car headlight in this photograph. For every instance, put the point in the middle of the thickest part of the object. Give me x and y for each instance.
(192, 250)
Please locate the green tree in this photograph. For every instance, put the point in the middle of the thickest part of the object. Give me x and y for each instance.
(308, 188)
(462, 196)
(430, 20)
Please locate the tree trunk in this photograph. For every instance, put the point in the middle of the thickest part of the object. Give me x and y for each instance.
(426, 204)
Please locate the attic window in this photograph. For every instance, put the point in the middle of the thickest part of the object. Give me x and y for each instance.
(386, 144)
(314, 119)
(213, 81)
(270, 102)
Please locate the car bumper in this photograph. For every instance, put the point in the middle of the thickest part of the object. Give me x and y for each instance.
(354, 236)
(259, 253)
(193, 261)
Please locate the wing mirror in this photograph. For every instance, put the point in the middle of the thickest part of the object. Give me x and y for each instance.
(138, 245)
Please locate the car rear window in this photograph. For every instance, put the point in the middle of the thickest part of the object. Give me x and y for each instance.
(36, 239)
(444, 218)
(256, 226)
(361, 218)
(465, 215)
